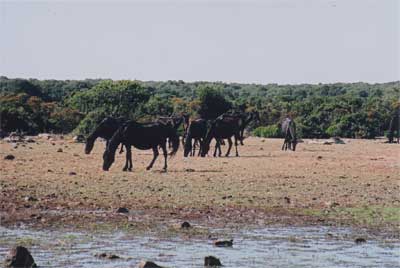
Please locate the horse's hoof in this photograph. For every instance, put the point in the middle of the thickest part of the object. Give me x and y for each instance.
(148, 168)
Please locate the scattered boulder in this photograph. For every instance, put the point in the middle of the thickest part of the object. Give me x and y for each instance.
(9, 157)
(45, 136)
(211, 261)
(30, 140)
(185, 225)
(190, 170)
(107, 256)
(319, 157)
(30, 199)
(72, 173)
(122, 210)
(223, 243)
(148, 264)
(19, 257)
(59, 150)
(337, 140)
(79, 139)
(360, 240)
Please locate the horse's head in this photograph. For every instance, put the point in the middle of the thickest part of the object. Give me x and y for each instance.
(108, 159)
(89, 146)
(205, 147)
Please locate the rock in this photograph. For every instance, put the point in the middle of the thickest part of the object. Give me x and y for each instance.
(19, 257)
(337, 140)
(360, 240)
(287, 199)
(30, 199)
(30, 140)
(190, 170)
(223, 243)
(72, 173)
(59, 150)
(148, 264)
(122, 210)
(211, 261)
(9, 157)
(185, 225)
(107, 256)
(79, 139)
(319, 157)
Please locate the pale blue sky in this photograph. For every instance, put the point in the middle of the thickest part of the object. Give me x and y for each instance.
(298, 41)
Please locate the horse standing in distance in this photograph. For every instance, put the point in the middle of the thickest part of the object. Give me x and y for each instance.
(143, 137)
(222, 128)
(107, 127)
(394, 126)
(245, 119)
(289, 133)
(197, 131)
(176, 121)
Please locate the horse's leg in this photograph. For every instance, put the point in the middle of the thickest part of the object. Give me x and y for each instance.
(155, 155)
(236, 145)
(201, 146)
(128, 150)
(163, 147)
(127, 156)
(241, 137)
(219, 147)
(229, 148)
(217, 144)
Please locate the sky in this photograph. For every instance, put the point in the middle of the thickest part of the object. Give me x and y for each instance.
(285, 42)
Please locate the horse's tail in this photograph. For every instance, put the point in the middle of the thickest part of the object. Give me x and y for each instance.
(174, 139)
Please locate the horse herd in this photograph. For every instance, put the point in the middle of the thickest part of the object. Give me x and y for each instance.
(197, 133)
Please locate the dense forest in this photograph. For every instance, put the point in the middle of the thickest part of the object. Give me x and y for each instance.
(353, 110)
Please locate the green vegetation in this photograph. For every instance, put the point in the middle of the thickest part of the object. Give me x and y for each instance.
(353, 110)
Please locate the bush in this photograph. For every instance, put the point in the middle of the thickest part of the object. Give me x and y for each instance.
(271, 131)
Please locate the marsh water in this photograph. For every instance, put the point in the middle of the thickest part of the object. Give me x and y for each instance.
(268, 247)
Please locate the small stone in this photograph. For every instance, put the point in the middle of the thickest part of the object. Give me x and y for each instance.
(287, 199)
(9, 157)
(223, 243)
(360, 240)
(122, 210)
(19, 257)
(190, 170)
(211, 261)
(72, 173)
(59, 150)
(30, 199)
(185, 225)
(107, 256)
(148, 264)
(319, 157)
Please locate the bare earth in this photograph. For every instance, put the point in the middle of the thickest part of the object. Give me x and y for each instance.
(353, 184)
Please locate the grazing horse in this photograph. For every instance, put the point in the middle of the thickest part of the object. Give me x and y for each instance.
(197, 131)
(289, 133)
(245, 119)
(222, 128)
(394, 127)
(105, 130)
(143, 137)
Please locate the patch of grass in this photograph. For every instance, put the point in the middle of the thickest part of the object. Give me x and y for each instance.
(367, 215)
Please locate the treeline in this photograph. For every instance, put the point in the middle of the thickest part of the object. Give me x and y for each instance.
(353, 110)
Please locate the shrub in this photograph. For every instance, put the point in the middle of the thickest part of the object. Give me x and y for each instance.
(271, 131)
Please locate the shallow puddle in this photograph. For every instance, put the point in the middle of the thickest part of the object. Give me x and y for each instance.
(269, 247)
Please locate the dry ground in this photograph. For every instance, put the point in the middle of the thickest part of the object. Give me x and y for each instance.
(356, 183)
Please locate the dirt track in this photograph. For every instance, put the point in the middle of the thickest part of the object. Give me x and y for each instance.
(356, 183)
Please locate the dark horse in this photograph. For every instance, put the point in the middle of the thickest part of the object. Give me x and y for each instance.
(244, 120)
(222, 128)
(105, 130)
(197, 131)
(394, 126)
(143, 137)
(289, 133)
